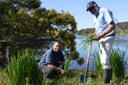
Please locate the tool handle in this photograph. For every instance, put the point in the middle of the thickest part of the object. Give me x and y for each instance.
(88, 58)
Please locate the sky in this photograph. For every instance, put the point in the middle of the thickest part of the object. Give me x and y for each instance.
(83, 18)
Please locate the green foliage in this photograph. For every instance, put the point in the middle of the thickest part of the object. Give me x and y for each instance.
(87, 42)
(118, 63)
(24, 70)
(75, 55)
(86, 31)
(80, 61)
(98, 65)
(121, 28)
(67, 62)
(72, 77)
(30, 4)
(24, 24)
(67, 38)
(4, 80)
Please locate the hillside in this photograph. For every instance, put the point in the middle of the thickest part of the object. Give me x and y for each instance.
(121, 27)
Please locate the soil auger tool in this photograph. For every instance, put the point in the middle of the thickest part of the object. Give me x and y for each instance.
(85, 78)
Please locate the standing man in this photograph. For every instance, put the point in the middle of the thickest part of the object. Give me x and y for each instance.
(51, 60)
(104, 34)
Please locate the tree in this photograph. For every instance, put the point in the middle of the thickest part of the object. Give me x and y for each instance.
(24, 24)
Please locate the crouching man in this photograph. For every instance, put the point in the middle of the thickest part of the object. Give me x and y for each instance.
(51, 60)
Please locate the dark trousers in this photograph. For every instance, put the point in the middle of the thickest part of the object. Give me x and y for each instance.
(49, 73)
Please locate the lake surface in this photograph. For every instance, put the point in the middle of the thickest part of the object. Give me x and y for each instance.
(120, 43)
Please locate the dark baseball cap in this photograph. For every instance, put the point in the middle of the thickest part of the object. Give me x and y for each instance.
(90, 5)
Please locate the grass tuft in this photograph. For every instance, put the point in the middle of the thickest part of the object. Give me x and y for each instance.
(24, 70)
(87, 42)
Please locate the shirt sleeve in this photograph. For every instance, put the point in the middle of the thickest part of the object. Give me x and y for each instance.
(108, 16)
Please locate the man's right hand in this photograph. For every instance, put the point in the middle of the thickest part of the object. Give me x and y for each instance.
(61, 70)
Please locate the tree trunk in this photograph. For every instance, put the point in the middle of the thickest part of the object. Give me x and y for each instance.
(4, 53)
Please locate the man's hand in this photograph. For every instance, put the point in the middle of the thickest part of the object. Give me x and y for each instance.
(56, 68)
(99, 36)
(62, 71)
(110, 27)
(92, 35)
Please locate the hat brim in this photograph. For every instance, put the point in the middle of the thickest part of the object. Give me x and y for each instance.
(89, 8)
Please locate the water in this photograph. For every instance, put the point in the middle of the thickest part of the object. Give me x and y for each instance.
(120, 43)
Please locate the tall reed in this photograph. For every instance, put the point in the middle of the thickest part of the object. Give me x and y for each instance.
(87, 42)
(118, 63)
(98, 64)
(67, 62)
(24, 70)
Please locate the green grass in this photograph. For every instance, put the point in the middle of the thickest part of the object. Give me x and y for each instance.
(70, 78)
(23, 69)
(118, 63)
(85, 43)
(98, 64)
(4, 79)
